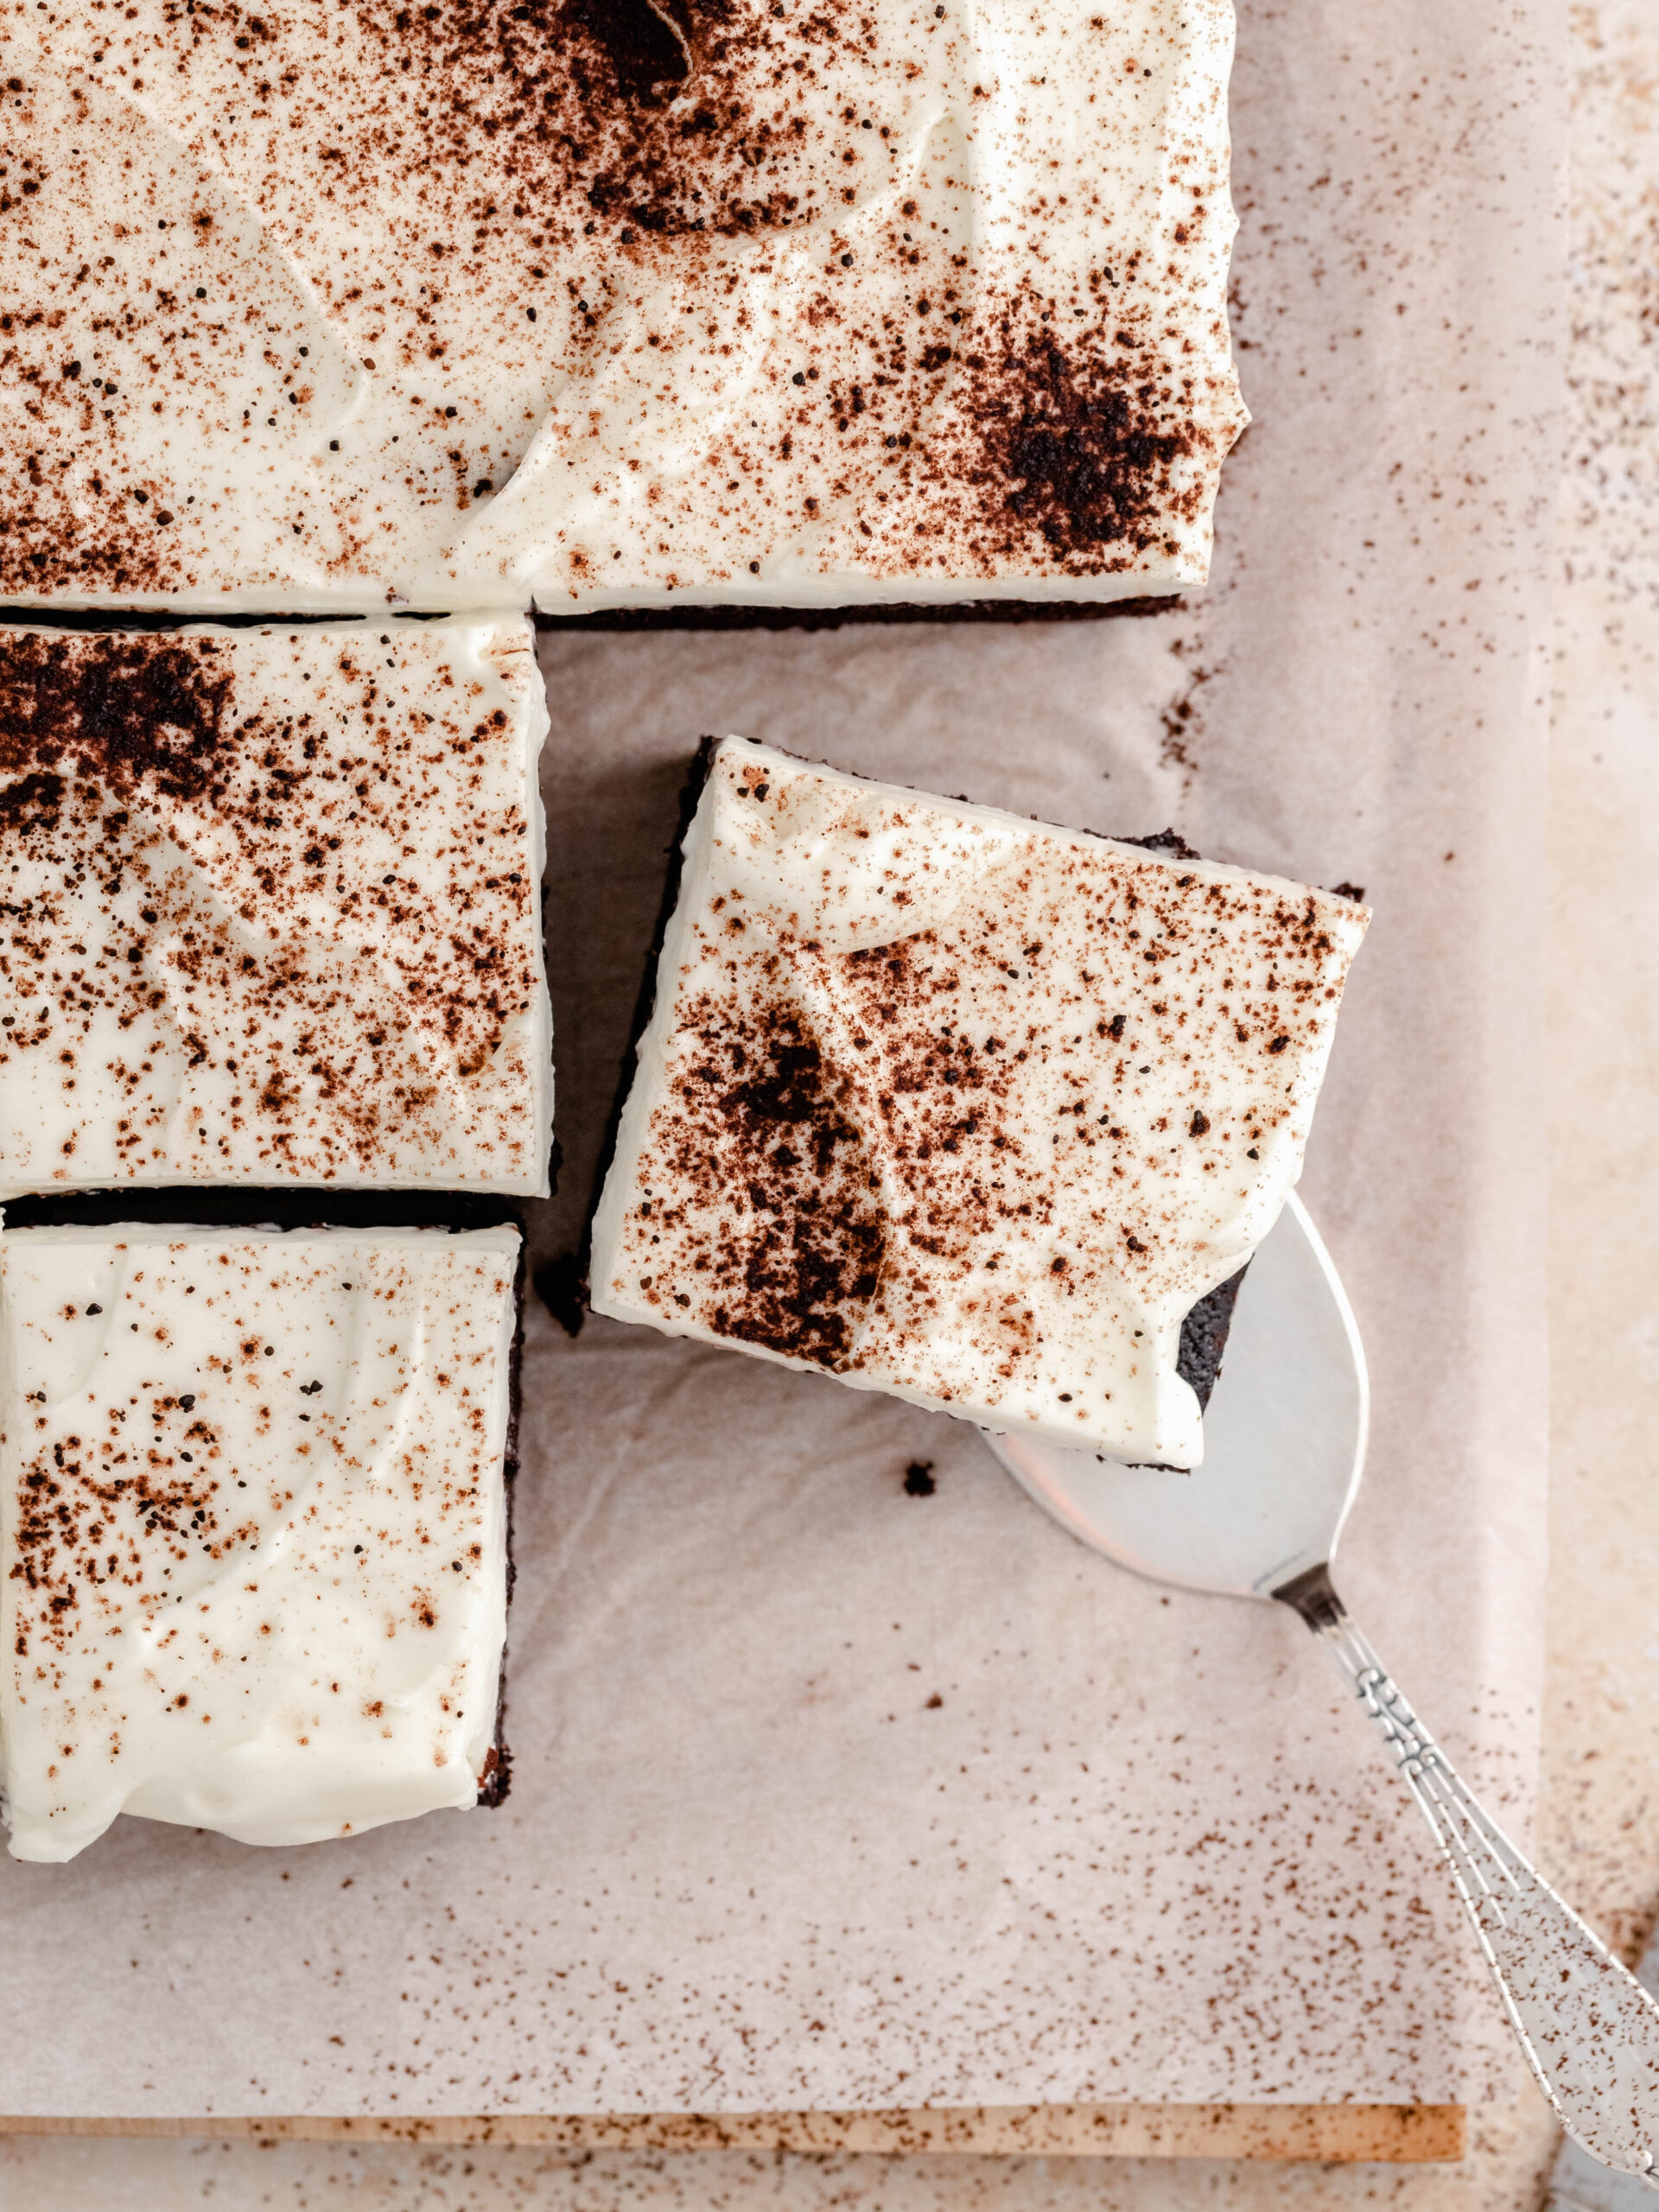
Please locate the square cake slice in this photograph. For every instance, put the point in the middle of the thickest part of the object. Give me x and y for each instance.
(942, 1102)
(253, 1514)
(650, 304)
(272, 908)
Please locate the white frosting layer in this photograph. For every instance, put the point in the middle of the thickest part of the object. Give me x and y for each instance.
(253, 1521)
(941, 1102)
(452, 305)
(273, 908)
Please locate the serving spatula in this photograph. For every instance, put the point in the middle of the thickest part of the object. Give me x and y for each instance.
(1284, 1449)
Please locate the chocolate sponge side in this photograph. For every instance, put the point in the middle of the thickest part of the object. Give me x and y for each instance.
(634, 618)
(1204, 1337)
(261, 1205)
(562, 1286)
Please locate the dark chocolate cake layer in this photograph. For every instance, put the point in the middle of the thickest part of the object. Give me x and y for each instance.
(249, 1207)
(1203, 1336)
(496, 1780)
(628, 619)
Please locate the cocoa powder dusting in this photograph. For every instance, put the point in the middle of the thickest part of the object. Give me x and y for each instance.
(101, 1514)
(567, 107)
(126, 712)
(1083, 443)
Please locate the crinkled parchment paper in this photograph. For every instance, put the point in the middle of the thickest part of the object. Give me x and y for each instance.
(829, 1794)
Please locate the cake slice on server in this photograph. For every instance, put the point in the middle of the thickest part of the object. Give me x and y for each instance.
(946, 1102)
(253, 1522)
(273, 910)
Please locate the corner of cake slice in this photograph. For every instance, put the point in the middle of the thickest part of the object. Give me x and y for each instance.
(253, 1517)
(949, 1103)
(275, 907)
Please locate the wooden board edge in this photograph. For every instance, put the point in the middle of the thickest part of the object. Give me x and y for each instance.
(1388, 2134)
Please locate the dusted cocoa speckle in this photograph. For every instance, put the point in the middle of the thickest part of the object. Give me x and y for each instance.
(127, 712)
(807, 1247)
(1085, 441)
(269, 1520)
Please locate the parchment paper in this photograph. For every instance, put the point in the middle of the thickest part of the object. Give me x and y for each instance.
(826, 1795)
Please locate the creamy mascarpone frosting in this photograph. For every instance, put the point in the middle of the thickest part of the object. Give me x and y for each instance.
(269, 908)
(941, 1102)
(254, 1527)
(341, 303)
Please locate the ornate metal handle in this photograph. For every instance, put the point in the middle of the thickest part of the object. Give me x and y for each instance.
(1590, 2031)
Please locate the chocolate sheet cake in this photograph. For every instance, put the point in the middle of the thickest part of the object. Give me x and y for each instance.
(941, 1102)
(631, 309)
(616, 306)
(272, 908)
(253, 1511)
(275, 1061)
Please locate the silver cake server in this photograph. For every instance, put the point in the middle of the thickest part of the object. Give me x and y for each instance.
(1284, 1449)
